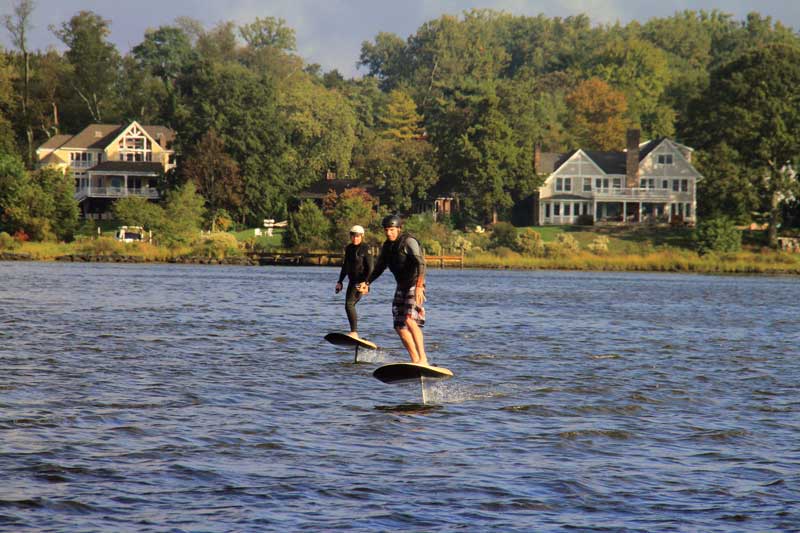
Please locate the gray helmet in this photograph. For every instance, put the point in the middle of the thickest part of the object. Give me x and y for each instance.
(392, 221)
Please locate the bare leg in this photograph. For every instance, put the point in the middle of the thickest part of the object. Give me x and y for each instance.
(413, 341)
(408, 342)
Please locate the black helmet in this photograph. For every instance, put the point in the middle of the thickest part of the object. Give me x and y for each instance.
(392, 221)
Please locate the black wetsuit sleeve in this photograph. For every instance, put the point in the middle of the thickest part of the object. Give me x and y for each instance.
(369, 264)
(343, 272)
(415, 254)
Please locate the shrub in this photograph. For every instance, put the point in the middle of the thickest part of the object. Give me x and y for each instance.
(529, 242)
(432, 247)
(585, 220)
(564, 245)
(505, 235)
(216, 246)
(503, 252)
(7, 242)
(599, 246)
(717, 235)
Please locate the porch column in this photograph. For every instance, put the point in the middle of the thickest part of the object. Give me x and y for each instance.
(640, 212)
(624, 212)
(125, 185)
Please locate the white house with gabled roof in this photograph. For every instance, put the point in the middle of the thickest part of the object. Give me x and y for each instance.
(111, 161)
(651, 182)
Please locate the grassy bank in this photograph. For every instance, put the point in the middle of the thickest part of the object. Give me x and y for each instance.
(659, 261)
(641, 249)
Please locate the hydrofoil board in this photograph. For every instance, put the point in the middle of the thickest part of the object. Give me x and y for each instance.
(343, 339)
(397, 372)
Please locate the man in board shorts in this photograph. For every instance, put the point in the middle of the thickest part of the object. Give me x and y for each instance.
(402, 254)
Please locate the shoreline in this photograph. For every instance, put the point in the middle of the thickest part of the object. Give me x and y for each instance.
(581, 263)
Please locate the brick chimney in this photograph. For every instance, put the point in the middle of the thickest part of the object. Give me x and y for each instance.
(632, 159)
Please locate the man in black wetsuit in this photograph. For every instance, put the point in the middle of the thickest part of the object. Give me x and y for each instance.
(402, 254)
(357, 266)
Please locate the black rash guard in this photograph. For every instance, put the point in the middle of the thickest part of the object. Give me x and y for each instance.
(404, 258)
(357, 263)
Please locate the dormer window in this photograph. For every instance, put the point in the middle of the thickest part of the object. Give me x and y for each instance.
(665, 159)
(98, 134)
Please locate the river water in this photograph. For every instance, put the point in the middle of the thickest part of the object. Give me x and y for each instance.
(139, 398)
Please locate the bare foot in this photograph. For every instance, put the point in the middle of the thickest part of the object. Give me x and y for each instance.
(353, 334)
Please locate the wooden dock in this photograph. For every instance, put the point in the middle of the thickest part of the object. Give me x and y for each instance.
(335, 259)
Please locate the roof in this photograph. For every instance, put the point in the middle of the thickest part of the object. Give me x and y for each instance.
(96, 136)
(55, 141)
(609, 162)
(144, 167)
(99, 136)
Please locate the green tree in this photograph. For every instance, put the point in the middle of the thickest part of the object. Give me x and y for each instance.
(183, 215)
(400, 118)
(478, 153)
(7, 141)
(717, 235)
(240, 106)
(147, 98)
(640, 70)
(321, 127)
(753, 105)
(385, 59)
(308, 228)
(39, 203)
(353, 206)
(138, 211)
(164, 53)
(95, 63)
(728, 187)
(61, 188)
(215, 174)
(404, 170)
(269, 32)
(19, 26)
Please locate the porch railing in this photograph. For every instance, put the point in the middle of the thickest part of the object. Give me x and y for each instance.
(115, 192)
(633, 194)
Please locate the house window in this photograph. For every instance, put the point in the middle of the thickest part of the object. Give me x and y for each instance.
(688, 210)
(546, 210)
(684, 185)
(567, 209)
(587, 184)
(665, 159)
(676, 185)
(617, 183)
(665, 184)
(567, 184)
(557, 210)
(559, 184)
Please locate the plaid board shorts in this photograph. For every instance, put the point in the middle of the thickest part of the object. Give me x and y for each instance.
(403, 305)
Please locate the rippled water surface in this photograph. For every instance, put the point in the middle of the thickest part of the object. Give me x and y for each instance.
(142, 398)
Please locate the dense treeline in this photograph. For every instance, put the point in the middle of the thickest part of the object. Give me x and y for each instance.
(457, 107)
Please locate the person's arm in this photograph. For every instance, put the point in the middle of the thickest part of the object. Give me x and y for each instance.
(342, 273)
(369, 264)
(415, 253)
